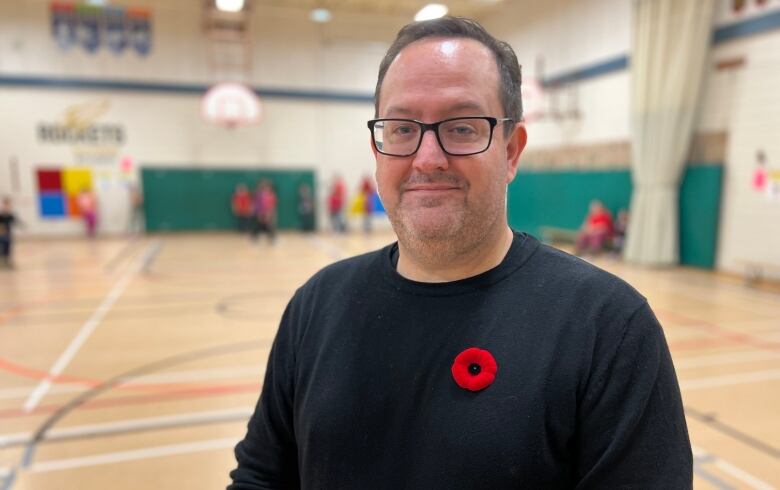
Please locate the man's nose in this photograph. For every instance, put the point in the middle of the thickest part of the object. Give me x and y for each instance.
(430, 156)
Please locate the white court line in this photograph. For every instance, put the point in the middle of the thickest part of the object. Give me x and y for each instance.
(148, 423)
(738, 473)
(729, 379)
(722, 359)
(196, 375)
(742, 475)
(81, 337)
(146, 453)
(331, 250)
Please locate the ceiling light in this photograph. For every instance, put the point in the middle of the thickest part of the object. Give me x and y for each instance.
(320, 15)
(230, 5)
(431, 11)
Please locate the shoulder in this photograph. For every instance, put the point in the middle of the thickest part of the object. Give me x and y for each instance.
(571, 276)
(345, 275)
(585, 302)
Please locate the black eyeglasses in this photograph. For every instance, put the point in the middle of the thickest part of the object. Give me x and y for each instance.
(458, 136)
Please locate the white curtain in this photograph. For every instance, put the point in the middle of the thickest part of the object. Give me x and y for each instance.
(671, 40)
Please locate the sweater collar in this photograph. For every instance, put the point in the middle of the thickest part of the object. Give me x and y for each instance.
(523, 246)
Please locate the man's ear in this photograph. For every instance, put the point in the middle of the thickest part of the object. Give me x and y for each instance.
(514, 147)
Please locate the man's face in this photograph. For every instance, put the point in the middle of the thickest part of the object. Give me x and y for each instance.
(431, 196)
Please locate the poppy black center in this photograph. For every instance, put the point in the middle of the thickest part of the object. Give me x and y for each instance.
(474, 368)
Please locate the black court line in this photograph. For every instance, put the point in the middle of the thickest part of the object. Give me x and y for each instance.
(40, 433)
(229, 306)
(712, 421)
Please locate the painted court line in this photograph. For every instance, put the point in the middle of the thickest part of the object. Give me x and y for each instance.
(729, 379)
(723, 359)
(742, 475)
(752, 481)
(134, 455)
(132, 425)
(331, 250)
(81, 337)
(192, 375)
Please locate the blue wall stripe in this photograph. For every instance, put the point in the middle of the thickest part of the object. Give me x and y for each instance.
(612, 65)
(747, 27)
(181, 88)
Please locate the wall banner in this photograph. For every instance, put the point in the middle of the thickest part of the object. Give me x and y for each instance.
(94, 27)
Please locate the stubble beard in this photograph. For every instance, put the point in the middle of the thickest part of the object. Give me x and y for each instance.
(462, 228)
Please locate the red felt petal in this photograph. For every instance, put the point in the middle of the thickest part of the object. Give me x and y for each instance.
(472, 382)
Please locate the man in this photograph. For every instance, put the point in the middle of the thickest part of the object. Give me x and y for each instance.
(466, 355)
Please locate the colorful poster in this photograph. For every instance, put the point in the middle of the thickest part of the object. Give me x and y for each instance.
(58, 189)
(765, 180)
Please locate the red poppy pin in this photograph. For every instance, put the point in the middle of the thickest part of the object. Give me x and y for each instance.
(474, 369)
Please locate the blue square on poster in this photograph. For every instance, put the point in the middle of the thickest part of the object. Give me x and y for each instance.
(52, 204)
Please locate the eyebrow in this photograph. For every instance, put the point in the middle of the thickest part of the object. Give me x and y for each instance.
(460, 106)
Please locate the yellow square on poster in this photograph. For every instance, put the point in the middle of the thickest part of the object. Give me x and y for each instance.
(75, 179)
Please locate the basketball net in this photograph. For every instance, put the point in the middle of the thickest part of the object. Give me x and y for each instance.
(231, 104)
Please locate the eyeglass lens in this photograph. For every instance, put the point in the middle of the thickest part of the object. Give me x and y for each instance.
(457, 136)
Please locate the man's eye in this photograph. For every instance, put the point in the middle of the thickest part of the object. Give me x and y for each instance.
(465, 130)
(408, 129)
(462, 130)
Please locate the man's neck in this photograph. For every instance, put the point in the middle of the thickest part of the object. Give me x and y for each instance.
(452, 267)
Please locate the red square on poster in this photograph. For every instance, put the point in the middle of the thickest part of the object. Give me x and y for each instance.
(49, 180)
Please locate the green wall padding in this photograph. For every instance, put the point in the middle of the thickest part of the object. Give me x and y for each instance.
(186, 199)
(700, 214)
(560, 199)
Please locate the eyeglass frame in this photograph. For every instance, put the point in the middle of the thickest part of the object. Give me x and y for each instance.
(493, 121)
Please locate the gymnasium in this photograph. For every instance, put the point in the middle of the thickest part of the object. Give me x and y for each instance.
(139, 303)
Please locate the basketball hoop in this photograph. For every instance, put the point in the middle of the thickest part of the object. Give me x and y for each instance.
(231, 104)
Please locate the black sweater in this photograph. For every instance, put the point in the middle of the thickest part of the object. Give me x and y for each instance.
(359, 392)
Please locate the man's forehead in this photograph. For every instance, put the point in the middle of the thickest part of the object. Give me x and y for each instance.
(441, 49)
(452, 70)
(457, 106)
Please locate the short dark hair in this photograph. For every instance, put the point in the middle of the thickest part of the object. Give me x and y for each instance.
(460, 27)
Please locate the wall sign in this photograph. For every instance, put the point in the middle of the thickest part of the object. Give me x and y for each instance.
(92, 27)
(92, 142)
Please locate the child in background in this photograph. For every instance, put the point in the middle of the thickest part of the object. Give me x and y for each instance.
(368, 191)
(336, 201)
(305, 207)
(241, 204)
(87, 203)
(7, 221)
(265, 210)
(596, 230)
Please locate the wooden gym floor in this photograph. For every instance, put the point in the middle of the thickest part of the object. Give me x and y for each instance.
(130, 364)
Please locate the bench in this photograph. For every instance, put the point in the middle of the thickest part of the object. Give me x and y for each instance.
(551, 234)
(755, 270)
